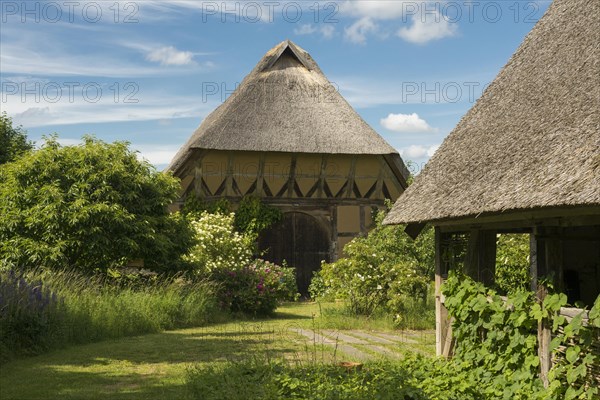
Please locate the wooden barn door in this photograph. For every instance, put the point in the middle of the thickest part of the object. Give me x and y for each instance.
(301, 241)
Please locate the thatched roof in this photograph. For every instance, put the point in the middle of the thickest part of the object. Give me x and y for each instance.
(286, 104)
(532, 141)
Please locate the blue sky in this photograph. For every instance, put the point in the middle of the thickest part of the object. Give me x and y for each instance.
(150, 71)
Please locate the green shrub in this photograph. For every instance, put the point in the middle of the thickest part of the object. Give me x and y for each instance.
(382, 270)
(91, 206)
(262, 380)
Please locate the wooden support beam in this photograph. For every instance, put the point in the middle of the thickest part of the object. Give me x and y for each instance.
(533, 261)
(440, 332)
(472, 255)
(554, 258)
(351, 175)
(199, 193)
(549, 264)
(363, 227)
(379, 185)
(292, 176)
(544, 338)
(322, 176)
(260, 178)
(229, 192)
(448, 341)
(487, 257)
(389, 173)
(334, 234)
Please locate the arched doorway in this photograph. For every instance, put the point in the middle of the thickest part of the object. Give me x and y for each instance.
(301, 241)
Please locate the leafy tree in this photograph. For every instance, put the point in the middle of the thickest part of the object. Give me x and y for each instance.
(91, 206)
(512, 262)
(13, 141)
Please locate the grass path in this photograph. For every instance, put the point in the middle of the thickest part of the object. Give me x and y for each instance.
(154, 366)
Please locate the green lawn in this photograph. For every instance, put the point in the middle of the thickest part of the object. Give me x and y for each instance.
(154, 366)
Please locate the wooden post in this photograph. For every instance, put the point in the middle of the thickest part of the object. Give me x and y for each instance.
(544, 338)
(550, 265)
(472, 255)
(448, 342)
(487, 257)
(533, 261)
(440, 315)
(334, 234)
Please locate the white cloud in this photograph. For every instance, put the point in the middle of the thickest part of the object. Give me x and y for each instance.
(157, 154)
(431, 26)
(427, 22)
(305, 29)
(376, 9)
(327, 31)
(169, 55)
(418, 151)
(357, 32)
(150, 106)
(406, 123)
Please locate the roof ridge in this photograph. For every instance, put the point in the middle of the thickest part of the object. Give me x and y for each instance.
(287, 45)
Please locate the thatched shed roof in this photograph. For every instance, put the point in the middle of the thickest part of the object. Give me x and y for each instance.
(286, 104)
(532, 141)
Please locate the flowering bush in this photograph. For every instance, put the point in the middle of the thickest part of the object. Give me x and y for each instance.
(382, 270)
(225, 256)
(257, 288)
(219, 246)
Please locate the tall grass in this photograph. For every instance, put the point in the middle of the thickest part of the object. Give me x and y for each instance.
(41, 310)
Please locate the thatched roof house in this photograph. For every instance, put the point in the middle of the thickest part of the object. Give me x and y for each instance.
(525, 158)
(287, 136)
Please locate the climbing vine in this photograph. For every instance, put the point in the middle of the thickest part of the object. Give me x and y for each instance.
(496, 351)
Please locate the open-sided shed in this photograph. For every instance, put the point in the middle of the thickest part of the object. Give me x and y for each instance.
(524, 159)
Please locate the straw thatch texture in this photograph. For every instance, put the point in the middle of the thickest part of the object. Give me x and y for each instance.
(533, 139)
(285, 104)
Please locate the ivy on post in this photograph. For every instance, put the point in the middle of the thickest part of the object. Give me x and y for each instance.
(548, 263)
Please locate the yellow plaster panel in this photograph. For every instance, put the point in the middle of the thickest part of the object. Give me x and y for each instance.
(185, 184)
(367, 167)
(348, 219)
